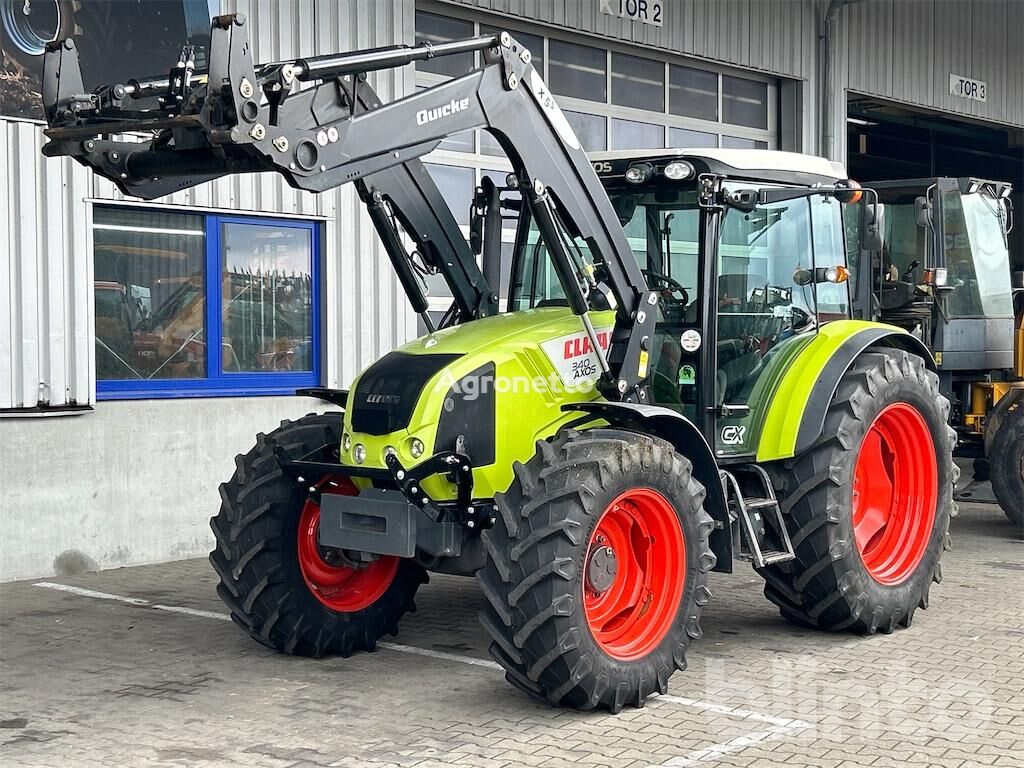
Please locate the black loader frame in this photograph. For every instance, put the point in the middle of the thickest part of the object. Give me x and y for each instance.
(246, 118)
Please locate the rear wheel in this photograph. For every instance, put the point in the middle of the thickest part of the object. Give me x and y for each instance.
(867, 507)
(596, 569)
(1006, 456)
(282, 587)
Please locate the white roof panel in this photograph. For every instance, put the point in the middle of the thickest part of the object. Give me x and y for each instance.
(740, 159)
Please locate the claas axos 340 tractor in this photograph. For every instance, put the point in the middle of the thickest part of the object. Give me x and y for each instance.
(675, 386)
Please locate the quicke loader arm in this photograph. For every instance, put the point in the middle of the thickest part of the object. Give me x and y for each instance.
(244, 118)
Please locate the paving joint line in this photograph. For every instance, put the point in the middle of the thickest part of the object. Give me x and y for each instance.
(779, 727)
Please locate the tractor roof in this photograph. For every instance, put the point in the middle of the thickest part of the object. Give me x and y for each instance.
(744, 162)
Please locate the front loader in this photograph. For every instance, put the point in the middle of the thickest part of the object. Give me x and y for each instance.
(591, 454)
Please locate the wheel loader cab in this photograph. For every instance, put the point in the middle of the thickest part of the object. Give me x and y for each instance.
(943, 271)
(735, 305)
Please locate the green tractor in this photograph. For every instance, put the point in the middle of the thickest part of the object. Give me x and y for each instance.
(675, 386)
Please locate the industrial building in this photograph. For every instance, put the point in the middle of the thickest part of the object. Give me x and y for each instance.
(142, 345)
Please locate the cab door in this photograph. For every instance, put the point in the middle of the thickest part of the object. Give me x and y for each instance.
(664, 237)
(765, 316)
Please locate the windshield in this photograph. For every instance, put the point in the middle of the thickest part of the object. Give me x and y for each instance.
(905, 241)
(662, 228)
(977, 259)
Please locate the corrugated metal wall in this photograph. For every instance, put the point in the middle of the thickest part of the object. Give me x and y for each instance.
(906, 51)
(46, 341)
(772, 36)
(45, 284)
(903, 50)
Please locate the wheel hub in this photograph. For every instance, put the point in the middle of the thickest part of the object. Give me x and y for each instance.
(602, 568)
(634, 574)
(335, 580)
(895, 493)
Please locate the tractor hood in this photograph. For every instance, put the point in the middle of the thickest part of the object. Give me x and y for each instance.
(490, 389)
(500, 331)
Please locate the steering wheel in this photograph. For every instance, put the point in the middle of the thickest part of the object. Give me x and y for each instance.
(667, 287)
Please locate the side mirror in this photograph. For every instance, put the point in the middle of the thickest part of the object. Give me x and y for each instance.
(625, 207)
(871, 238)
(923, 212)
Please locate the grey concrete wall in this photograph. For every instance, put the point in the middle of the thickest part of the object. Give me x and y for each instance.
(130, 483)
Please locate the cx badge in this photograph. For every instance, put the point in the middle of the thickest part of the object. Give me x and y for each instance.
(733, 435)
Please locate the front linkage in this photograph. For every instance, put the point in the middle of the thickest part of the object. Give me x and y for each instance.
(378, 519)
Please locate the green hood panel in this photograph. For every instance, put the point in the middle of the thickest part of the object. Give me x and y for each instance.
(535, 354)
(512, 329)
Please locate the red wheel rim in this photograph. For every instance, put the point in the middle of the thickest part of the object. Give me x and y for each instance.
(895, 493)
(634, 574)
(338, 586)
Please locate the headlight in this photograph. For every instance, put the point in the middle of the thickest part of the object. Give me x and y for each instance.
(678, 170)
(639, 173)
(359, 453)
(416, 447)
(346, 442)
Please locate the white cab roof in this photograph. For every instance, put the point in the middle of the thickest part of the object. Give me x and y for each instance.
(740, 159)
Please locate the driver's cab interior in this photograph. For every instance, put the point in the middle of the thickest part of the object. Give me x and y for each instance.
(760, 301)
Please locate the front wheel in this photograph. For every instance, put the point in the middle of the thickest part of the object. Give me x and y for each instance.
(282, 587)
(596, 569)
(1006, 456)
(868, 506)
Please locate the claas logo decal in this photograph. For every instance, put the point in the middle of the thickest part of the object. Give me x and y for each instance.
(573, 356)
(579, 362)
(578, 346)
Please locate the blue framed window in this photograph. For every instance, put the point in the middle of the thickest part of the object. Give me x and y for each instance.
(201, 305)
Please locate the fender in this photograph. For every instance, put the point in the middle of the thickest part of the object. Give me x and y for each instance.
(688, 441)
(338, 397)
(796, 416)
(1002, 407)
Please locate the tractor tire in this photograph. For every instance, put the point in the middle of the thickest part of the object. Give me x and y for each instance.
(282, 588)
(868, 506)
(596, 569)
(1007, 460)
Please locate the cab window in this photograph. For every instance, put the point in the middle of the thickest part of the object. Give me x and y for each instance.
(760, 305)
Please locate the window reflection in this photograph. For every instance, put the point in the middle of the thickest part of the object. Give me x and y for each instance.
(577, 70)
(744, 102)
(693, 93)
(631, 134)
(266, 298)
(150, 294)
(638, 82)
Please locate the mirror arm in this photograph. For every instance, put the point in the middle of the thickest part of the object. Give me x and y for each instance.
(748, 200)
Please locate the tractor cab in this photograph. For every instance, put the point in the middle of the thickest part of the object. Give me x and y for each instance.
(742, 288)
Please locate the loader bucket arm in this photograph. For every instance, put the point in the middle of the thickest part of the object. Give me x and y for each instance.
(244, 118)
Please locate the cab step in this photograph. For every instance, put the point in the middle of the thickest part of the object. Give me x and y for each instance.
(758, 531)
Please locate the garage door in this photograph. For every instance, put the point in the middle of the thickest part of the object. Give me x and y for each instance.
(615, 98)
